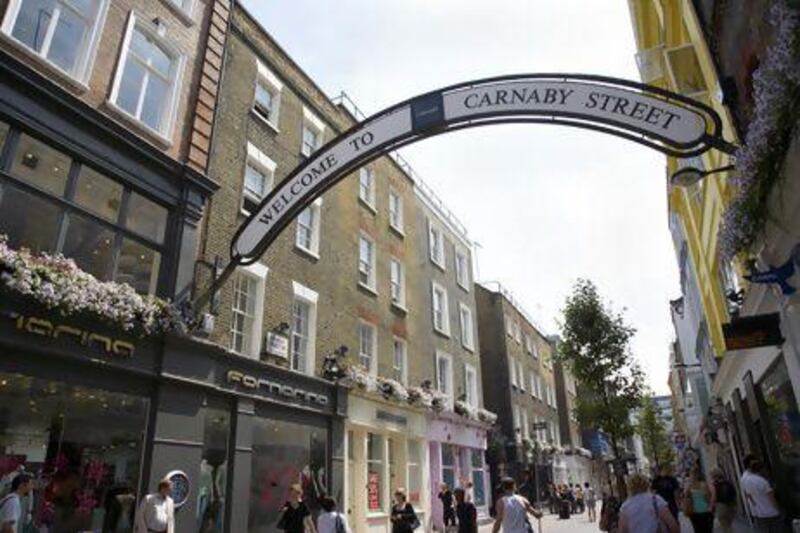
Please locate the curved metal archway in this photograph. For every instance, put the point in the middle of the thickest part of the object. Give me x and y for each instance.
(651, 116)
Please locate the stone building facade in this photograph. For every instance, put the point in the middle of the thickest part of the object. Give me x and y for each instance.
(519, 385)
(351, 271)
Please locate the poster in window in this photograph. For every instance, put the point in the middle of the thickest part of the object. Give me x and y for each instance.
(374, 492)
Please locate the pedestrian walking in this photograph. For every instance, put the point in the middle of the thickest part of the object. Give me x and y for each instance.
(465, 512)
(448, 510)
(579, 505)
(512, 511)
(609, 513)
(667, 486)
(11, 507)
(331, 520)
(723, 500)
(697, 502)
(760, 497)
(403, 517)
(645, 512)
(295, 515)
(590, 497)
(156, 513)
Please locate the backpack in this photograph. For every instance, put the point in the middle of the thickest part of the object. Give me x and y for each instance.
(726, 492)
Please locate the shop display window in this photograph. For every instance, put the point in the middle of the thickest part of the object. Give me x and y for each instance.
(375, 475)
(211, 489)
(782, 410)
(285, 453)
(83, 447)
(414, 466)
(449, 465)
(478, 476)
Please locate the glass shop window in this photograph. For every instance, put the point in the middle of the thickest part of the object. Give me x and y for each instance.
(212, 481)
(375, 475)
(82, 445)
(449, 465)
(52, 203)
(414, 465)
(478, 476)
(285, 453)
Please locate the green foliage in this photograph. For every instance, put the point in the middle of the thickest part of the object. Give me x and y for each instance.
(653, 431)
(595, 348)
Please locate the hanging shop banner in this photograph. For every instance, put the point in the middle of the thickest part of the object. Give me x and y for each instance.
(753, 332)
(668, 122)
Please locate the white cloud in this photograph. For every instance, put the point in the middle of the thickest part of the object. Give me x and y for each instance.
(565, 203)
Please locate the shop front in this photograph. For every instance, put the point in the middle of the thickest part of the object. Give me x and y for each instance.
(243, 432)
(75, 404)
(457, 449)
(385, 450)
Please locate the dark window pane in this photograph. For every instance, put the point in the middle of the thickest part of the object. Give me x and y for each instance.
(28, 220)
(3, 134)
(146, 218)
(138, 266)
(90, 245)
(41, 165)
(98, 194)
(130, 86)
(155, 103)
(82, 445)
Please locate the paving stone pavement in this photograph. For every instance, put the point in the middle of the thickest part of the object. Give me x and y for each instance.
(579, 524)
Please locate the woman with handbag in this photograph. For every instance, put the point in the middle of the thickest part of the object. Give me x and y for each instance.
(404, 519)
(645, 512)
(296, 517)
(697, 502)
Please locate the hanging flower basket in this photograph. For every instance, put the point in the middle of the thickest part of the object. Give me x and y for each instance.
(759, 162)
(420, 396)
(485, 415)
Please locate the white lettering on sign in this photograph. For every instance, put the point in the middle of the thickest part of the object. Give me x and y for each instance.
(581, 99)
(322, 166)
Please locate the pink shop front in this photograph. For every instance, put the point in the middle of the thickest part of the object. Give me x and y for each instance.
(457, 450)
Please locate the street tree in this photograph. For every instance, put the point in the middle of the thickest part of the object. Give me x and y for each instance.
(595, 347)
(653, 431)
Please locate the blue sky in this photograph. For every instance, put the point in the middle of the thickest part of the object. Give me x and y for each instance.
(546, 204)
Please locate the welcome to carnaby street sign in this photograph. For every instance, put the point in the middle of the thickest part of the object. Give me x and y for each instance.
(659, 119)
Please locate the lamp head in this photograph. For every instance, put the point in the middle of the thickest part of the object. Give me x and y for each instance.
(687, 176)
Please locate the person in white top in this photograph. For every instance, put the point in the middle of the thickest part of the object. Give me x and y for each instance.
(10, 508)
(156, 513)
(760, 497)
(331, 520)
(512, 510)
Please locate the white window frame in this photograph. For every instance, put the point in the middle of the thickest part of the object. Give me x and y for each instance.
(267, 79)
(462, 269)
(471, 389)
(316, 228)
(373, 357)
(517, 332)
(397, 341)
(396, 216)
(533, 384)
(367, 197)
(521, 375)
(516, 415)
(538, 386)
(314, 123)
(309, 297)
(437, 254)
(84, 66)
(165, 134)
(371, 283)
(526, 427)
(443, 356)
(445, 311)
(467, 333)
(509, 326)
(263, 164)
(400, 301)
(257, 272)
